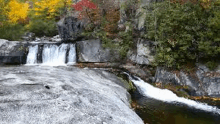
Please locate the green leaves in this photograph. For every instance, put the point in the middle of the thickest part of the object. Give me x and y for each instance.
(183, 32)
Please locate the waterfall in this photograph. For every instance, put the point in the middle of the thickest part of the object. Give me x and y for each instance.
(52, 54)
(168, 96)
(32, 55)
(72, 55)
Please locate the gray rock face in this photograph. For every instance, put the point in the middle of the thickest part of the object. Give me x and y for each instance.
(92, 51)
(144, 53)
(203, 82)
(142, 11)
(210, 80)
(12, 52)
(69, 28)
(67, 95)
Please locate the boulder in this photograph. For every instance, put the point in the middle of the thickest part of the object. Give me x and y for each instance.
(165, 76)
(144, 54)
(210, 80)
(69, 28)
(67, 95)
(92, 51)
(201, 82)
(12, 52)
(45, 39)
(141, 13)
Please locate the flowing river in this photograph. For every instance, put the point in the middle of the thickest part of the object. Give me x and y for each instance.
(161, 106)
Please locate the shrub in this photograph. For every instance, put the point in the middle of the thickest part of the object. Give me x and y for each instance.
(11, 20)
(50, 8)
(11, 31)
(103, 24)
(17, 11)
(184, 31)
(43, 27)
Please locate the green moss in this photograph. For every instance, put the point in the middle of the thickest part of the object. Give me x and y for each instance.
(211, 65)
(43, 27)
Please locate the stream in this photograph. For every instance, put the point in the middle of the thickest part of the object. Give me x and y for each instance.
(159, 106)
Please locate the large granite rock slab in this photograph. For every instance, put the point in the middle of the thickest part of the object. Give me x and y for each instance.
(92, 51)
(63, 95)
(12, 52)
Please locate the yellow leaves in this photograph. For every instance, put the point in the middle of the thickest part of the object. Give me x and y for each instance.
(17, 11)
(51, 7)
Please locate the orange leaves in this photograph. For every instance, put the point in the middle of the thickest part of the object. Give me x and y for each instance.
(112, 16)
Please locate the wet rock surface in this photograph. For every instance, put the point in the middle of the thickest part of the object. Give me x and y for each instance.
(143, 54)
(92, 51)
(69, 28)
(202, 82)
(40, 94)
(12, 52)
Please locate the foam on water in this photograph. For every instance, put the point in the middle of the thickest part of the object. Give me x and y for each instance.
(168, 96)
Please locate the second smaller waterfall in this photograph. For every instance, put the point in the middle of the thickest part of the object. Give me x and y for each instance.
(32, 55)
(72, 55)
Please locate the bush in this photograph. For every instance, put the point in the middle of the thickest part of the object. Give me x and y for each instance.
(37, 16)
(43, 27)
(103, 24)
(184, 31)
(11, 31)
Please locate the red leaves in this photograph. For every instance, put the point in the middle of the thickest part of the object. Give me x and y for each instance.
(84, 3)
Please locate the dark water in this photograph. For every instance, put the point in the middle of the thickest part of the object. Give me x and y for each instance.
(157, 112)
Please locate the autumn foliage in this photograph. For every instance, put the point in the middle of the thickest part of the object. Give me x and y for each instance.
(84, 3)
(17, 11)
(103, 14)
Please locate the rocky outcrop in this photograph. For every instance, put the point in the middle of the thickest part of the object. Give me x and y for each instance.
(144, 52)
(12, 52)
(68, 95)
(92, 51)
(69, 28)
(202, 82)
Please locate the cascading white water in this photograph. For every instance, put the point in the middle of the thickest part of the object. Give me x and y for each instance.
(32, 55)
(54, 55)
(72, 55)
(168, 96)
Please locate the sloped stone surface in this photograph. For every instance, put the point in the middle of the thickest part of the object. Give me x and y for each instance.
(67, 95)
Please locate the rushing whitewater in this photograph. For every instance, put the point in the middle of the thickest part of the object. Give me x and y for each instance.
(32, 55)
(53, 55)
(72, 55)
(168, 96)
